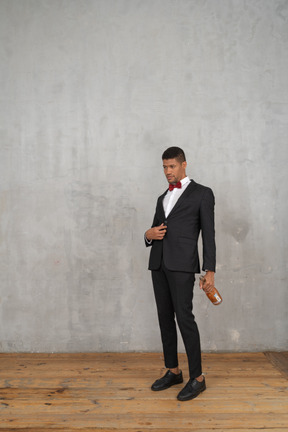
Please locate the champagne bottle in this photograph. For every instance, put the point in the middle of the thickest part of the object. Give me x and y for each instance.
(211, 292)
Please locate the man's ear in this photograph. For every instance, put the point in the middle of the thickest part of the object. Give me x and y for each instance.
(184, 164)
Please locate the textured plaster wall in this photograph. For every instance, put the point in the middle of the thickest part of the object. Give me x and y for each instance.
(92, 92)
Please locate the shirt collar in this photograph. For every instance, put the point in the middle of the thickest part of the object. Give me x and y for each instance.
(185, 180)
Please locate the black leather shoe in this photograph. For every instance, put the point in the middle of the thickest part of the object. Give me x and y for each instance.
(192, 389)
(168, 380)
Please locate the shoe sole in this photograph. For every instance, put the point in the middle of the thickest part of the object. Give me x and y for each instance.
(166, 387)
(191, 397)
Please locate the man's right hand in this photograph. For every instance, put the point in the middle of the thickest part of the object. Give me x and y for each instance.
(156, 233)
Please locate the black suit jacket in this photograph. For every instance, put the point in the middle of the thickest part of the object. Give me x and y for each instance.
(192, 213)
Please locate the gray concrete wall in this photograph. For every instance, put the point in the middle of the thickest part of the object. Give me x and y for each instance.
(92, 92)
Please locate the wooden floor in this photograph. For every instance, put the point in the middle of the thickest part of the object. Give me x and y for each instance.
(111, 392)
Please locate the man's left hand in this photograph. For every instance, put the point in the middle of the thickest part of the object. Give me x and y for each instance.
(209, 280)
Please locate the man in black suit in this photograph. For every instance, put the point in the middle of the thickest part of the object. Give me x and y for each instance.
(182, 211)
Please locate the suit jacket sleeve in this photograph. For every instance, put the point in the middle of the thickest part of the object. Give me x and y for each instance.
(155, 223)
(208, 230)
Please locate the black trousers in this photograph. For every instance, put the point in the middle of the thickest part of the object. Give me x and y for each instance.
(174, 294)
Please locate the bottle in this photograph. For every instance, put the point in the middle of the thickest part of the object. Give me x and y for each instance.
(211, 292)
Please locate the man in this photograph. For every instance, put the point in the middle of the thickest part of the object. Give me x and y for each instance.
(181, 212)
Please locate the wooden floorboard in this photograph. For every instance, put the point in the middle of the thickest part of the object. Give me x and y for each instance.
(279, 360)
(108, 392)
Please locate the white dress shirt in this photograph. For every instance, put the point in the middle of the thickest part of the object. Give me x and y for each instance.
(172, 197)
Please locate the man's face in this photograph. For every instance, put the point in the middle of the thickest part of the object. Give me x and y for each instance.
(174, 170)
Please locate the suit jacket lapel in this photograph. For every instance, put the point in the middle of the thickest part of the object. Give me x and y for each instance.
(187, 192)
(159, 208)
(161, 204)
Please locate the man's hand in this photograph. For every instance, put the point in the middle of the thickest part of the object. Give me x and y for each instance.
(156, 233)
(209, 280)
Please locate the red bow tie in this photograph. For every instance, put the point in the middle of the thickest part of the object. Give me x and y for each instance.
(172, 186)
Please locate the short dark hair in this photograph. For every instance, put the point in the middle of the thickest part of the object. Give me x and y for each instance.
(174, 153)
